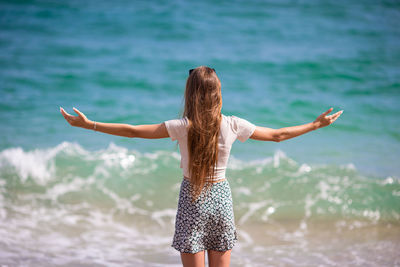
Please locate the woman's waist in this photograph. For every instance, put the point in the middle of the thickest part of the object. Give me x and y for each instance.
(209, 180)
(219, 175)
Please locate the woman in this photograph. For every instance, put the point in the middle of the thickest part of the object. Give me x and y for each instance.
(204, 219)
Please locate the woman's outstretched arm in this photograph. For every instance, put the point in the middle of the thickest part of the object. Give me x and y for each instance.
(278, 135)
(151, 131)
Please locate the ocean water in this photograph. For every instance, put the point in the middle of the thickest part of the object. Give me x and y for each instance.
(73, 197)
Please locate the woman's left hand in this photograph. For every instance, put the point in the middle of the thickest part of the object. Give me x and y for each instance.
(77, 121)
(324, 119)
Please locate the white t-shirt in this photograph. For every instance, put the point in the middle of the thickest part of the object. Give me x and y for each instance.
(232, 128)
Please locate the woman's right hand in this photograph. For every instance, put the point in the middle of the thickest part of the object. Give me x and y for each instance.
(324, 119)
(77, 121)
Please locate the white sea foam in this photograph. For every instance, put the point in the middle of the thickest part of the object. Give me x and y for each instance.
(37, 164)
(158, 215)
(252, 207)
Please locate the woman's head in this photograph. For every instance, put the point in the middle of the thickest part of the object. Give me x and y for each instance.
(203, 103)
(203, 93)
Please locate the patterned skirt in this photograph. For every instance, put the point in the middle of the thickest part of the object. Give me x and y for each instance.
(208, 223)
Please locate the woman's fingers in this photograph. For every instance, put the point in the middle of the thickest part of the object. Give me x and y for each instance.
(337, 114)
(77, 121)
(325, 119)
(72, 120)
(80, 114)
(334, 116)
(327, 112)
(67, 116)
(64, 113)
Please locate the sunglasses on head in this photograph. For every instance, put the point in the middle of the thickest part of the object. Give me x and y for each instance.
(190, 71)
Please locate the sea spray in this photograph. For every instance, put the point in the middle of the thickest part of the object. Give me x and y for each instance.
(129, 182)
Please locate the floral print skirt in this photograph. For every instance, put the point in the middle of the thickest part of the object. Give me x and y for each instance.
(207, 223)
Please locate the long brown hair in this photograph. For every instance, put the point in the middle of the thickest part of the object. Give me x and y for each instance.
(203, 103)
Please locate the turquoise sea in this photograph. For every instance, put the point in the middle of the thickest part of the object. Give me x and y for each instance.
(73, 197)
